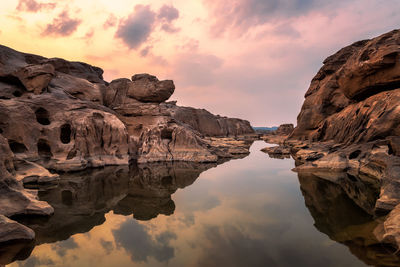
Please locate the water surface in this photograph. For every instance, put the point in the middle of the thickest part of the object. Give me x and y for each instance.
(245, 212)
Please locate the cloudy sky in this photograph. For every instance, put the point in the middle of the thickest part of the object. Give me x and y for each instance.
(251, 59)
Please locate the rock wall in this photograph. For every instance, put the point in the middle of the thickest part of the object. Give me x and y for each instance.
(348, 129)
(354, 96)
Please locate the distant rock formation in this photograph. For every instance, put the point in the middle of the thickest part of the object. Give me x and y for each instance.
(62, 116)
(277, 136)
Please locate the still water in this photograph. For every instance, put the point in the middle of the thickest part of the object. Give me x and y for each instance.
(244, 212)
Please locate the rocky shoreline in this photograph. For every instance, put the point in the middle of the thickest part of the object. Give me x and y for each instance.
(347, 131)
(58, 116)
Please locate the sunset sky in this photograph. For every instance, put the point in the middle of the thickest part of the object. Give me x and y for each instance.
(251, 59)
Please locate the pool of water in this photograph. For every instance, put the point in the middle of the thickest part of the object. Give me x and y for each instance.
(246, 212)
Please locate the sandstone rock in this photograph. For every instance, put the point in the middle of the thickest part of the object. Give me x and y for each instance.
(77, 69)
(285, 129)
(279, 152)
(11, 230)
(147, 88)
(78, 87)
(209, 124)
(16, 241)
(31, 174)
(173, 143)
(14, 199)
(354, 96)
(36, 78)
(52, 117)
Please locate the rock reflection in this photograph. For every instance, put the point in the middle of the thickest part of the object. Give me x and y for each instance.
(82, 199)
(337, 214)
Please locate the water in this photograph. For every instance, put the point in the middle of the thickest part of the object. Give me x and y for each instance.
(245, 212)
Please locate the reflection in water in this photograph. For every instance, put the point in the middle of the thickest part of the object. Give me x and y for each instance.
(338, 215)
(82, 199)
(247, 212)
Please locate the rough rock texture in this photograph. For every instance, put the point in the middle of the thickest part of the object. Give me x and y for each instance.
(16, 241)
(348, 128)
(147, 88)
(61, 116)
(354, 96)
(209, 124)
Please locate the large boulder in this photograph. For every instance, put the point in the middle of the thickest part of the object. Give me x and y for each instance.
(147, 88)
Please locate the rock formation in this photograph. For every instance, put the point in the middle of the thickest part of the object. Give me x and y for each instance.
(277, 136)
(348, 128)
(61, 116)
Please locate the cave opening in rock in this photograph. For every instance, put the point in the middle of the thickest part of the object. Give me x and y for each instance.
(65, 133)
(17, 147)
(354, 154)
(44, 149)
(17, 93)
(42, 116)
(166, 134)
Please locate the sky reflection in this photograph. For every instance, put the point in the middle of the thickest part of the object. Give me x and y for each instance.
(247, 212)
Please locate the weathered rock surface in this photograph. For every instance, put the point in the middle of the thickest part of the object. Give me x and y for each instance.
(16, 241)
(354, 96)
(348, 129)
(61, 116)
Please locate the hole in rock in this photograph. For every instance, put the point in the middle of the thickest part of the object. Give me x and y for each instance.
(17, 93)
(17, 147)
(44, 149)
(354, 154)
(1, 131)
(66, 197)
(167, 180)
(65, 133)
(42, 116)
(166, 134)
(390, 152)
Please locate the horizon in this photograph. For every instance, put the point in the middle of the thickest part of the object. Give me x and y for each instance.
(254, 61)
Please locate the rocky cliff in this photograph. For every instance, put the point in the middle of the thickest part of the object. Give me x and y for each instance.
(62, 116)
(348, 129)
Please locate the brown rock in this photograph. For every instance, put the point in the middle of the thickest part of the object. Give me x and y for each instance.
(11, 230)
(148, 88)
(210, 125)
(354, 96)
(285, 129)
(35, 78)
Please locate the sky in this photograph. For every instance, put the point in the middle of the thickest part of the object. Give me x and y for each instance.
(251, 59)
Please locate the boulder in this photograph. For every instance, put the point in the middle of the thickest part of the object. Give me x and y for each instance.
(147, 88)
